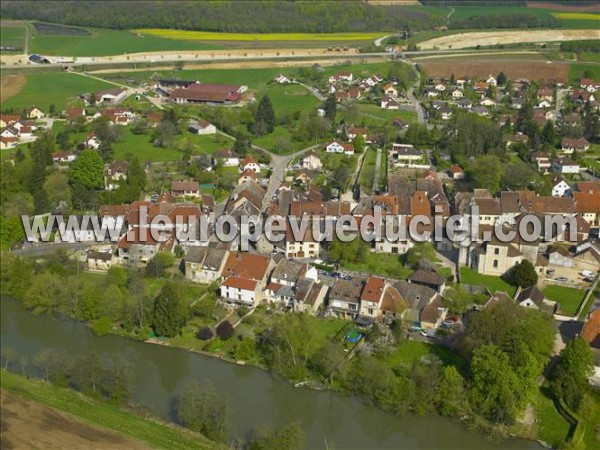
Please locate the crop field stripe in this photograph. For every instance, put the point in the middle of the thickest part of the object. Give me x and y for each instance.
(215, 36)
(577, 16)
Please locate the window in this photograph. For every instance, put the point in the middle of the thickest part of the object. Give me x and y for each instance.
(495, 264)
(496, 251)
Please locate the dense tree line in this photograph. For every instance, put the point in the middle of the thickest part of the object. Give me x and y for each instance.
(580, 46)
(249, 17)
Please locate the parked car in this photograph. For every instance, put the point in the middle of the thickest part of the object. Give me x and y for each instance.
(587, 273)
(562, 279)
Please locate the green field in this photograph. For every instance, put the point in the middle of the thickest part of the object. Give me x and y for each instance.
(407, 352)
(553, 428)
(568, 298)
(150, 431)
(579, 71)
(567, 20)
(103, 42)
(368, 169)
(288, 98)
(58, 88)
(490, 282)
(12, 34)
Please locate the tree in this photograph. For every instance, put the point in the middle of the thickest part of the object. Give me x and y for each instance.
(421, 252)
(329, 360)
(118, 379)
(290, 343)
(87, 170)
(49, 362)
(549, 133)
(496, 391)
(57, 189)
(169, 314)
(501, 79)
(87, 373)
(570, 378)
(225, 330)
(330, 109)
(205, 334)
(451, 395)
(486, 172)
(202, 409)
(264, 120)
(524, 274)
(359, 143)
(290, 437)
(159, 263)
(9, 355)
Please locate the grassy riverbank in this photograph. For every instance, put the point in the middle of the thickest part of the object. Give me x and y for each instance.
(150, 431)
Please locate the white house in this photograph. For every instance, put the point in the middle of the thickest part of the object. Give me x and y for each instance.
(492, 81)
(202, 127)
(457, 93)
(92, 141)
(239, 290)
(390, 89)
(282, 79)
(339, 146)
(565, 165)
(35, 113)
(487, 102)
(342, 76)
(227, 158)
(560, 187)
(249, 163)
(63, 157)
(311, 161)
(440, 87)
(111, 96)
(544, 104)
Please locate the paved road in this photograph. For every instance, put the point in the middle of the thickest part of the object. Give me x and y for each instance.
(378, 41)
(410, 94)
(279, 165)
(315, 92)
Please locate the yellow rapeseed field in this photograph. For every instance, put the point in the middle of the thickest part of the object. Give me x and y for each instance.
(576, 16)
(215, 36)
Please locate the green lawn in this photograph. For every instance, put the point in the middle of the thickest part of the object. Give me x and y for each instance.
(288, 98)
(464, 12)
(568, 298)
(409, 351)
(384, 116)
(57, 88)
(102, 42)
(553, 428)
(492, 283)
(13, 34)
(579, 71)
(155, 434)
(367, 172)
(382, 264)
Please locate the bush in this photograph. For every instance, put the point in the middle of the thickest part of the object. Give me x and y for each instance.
(225, 330)
(101, 326)
(204, 334)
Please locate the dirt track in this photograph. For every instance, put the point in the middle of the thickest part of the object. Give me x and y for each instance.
(489, 38)
(244, 65)
(27, 424)
(11, 85)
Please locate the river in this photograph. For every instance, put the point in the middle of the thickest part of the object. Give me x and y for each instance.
(257, 400)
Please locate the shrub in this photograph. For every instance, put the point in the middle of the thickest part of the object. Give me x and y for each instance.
(205, 334)
(225, 330)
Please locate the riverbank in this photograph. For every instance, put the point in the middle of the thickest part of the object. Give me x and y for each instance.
(82, 421)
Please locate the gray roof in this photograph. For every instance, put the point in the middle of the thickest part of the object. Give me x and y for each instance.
(210, 258)
(532, 293)
(416, 296)
(288, 270)
(347, 290)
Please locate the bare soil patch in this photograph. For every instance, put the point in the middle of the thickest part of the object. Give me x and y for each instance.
(11, 85)
(491, 38)
(28, 424)
(532, 70)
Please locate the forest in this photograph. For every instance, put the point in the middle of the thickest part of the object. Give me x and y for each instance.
(252, 17)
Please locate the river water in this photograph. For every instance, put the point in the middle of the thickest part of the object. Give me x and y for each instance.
(257, 399)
